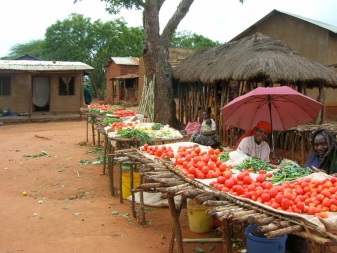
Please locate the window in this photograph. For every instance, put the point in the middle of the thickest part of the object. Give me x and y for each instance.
(66, 86)
(5, 85)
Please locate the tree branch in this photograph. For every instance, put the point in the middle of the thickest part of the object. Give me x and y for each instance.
(174, 21)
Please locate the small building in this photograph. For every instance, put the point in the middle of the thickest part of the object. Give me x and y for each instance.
(122, 79)
(50, 87)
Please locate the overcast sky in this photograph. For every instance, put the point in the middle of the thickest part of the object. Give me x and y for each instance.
(24, 20)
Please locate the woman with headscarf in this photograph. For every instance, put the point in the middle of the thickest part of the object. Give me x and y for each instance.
(324, 156)
(253, 143)
(207, 135)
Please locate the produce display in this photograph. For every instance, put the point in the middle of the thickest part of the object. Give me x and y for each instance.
(289, 188)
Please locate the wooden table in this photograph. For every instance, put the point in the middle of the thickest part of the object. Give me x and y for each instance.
(228, 209)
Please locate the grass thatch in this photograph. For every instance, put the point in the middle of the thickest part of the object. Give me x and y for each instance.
(255, 58)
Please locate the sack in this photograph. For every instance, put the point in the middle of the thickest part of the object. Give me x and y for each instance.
(193, 128)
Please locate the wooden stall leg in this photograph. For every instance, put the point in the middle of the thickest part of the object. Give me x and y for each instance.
(87, 128)
(98, 139)
(142, 220)
(121, 183)
(93, 133)
(105, 153)
(176, 230)
(226, 235)
(110, 169)
(133, 201)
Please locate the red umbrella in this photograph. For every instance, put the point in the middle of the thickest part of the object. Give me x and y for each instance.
(282, 107)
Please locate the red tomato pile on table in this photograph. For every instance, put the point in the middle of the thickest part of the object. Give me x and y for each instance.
(314, 197)
(159, 151)
(121, 125)
(123, 113)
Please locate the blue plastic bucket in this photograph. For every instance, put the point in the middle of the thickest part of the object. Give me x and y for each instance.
(257, 242)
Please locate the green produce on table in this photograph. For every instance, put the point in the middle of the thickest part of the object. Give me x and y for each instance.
(223, 156)
(254, 163)
(157, 126)
(108, 112)
(135, 133)
(94, 110)
(289, 174)
(108, 121)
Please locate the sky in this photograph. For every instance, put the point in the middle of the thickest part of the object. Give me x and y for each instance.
(22, 21)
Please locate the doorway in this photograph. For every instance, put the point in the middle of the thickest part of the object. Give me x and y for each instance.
(41, 90)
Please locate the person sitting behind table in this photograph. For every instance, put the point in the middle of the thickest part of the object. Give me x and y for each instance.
(324, 156)
(207, 135)
(253, 143)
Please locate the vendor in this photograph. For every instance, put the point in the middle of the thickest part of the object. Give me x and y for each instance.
(207, 135)
(253, 143)
(324, 156)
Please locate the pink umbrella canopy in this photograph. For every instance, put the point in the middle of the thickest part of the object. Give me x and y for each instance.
(282, 107)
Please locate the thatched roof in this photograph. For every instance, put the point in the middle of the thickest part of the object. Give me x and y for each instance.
(255, 58)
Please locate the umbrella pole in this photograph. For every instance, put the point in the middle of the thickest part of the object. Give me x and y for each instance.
(272, 131)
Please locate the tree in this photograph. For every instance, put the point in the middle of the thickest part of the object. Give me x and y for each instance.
(187, 39)
(155, 52)
(78, 39)
(33, 48)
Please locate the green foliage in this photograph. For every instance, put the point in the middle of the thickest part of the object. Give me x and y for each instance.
(34, 48)
(187, 39)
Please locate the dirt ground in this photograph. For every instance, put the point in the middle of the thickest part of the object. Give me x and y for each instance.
(68, 207)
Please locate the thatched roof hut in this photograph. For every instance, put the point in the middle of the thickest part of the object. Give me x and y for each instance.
(255, 58)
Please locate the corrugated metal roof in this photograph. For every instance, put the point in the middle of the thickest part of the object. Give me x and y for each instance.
(126, 60)
(27, 65)
(331, 28)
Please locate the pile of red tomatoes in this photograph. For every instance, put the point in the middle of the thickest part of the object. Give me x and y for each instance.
(305, 195)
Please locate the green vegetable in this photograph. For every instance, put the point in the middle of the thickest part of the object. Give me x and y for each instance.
(223, 156)
(135, 133)
(108, 121)
(157, 126)
(289, 174)
(254, 163)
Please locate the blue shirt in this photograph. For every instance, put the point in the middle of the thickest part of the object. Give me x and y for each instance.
(313, 160)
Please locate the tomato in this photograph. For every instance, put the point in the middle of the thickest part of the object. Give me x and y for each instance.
(221, 180)
(190, 175)
(205, 169)
(278, 198)
(260, 178)
(326, 202)
(217, 151)
(267, 185)
(222, 167)
(247, 180)
(262, 172)
(213, 158)
(265, 197)
(212, 183)
(200, 175)
(210, 151)
(227, 174)
(285, 203)
(218, 163)
(229, 183)
(211, 165)
(197, 150)
(273, 192)
(250, 170)
(205, 158)
(300, 206)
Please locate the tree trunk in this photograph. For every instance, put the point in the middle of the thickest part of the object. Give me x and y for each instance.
(156, 58)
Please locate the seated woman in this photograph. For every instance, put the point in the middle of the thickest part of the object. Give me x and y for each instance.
(253, 143)
(324, 156)
(207, 135)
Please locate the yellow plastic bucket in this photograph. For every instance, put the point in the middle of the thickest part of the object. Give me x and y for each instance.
(199, 221)
(126, 183)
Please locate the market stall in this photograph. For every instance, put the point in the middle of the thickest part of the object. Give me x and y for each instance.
(232, 207)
